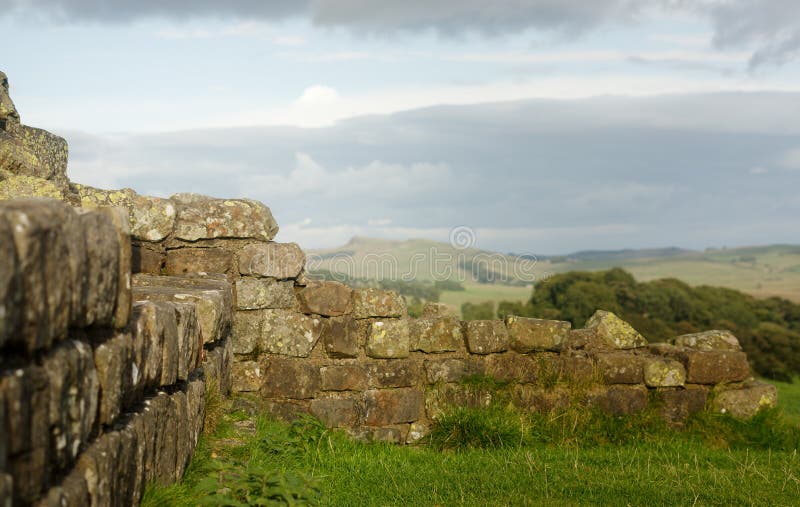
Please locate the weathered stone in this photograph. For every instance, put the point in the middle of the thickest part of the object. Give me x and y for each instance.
(528, 335)
(335, 412)
(28, 151)
(213, 315)
(588, 339)
(183, 446)
(620, 368)
(147, 258)
(203, 217)
(664, 349)
(201, 285)
(441, 397)
(246, 376)
(392, 406)
(29, 474)
(452, 370)
(416, 432)
(513, 367)
(331, 299)
(663, 373)
(42, 252)
(150, 218)
(113, 360)
(286, 411)
(26, 423)
(181, 261)
(10, 283)
(258, 293)
(342, 337)
(619, 399)
(433, 310)
(436, 335)
(147, 332)
(539, 399)
(715, 367)
(18, 186)
(102, 251)
(615, 331)
(190, 339)
(486, 336)
(388, 339)
(676, 405)
(96, 465)
(3, 430)
(289, 333)
(709, 340)
(6, 489)
(273, 260)
(343, 377)
(746, 401)
(287, 378)
(576, 370)
(246, 333)
(393, 373)
(122, 309)
(369, 303)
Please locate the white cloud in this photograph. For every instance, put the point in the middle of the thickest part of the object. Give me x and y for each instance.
(758, 170)
(790, 160)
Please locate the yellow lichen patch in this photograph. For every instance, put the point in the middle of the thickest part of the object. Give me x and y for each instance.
(29, 186)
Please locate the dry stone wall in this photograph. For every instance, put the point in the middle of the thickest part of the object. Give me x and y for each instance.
(119, 313)
(102, 385)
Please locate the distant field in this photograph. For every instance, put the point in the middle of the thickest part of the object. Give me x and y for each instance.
(478, 293)
(761, 271)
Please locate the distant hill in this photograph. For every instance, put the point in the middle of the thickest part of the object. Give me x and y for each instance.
(762, 271)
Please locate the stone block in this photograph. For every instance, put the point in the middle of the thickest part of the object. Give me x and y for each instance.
(745, 402)
(383, 407)
(659, 372)
(486, 336)
(416, 432)
(433, 310)
(96, 465)
(147, 258)
(618, 399)
(676, 405)
(388, 339)
(6, 490)
(436, 335)
(122, 309)
(10, 283)
(452, 370)
(342, 337)
(29, 473)
(183, 446)
(523, 368)
(151, 218)
(190, 339)
(193, 283)
(183, 261)
(539, 399)
(368, 303)
(709, 340)
(147, 328)
(528, 335)
(102, 251)
(113, 361)
(343, 377)
(27, 418)
(586, 339)
(575, 369)
(393, 373)
(373, 435)
(335, 412)
(74, 492)
(620, 367)
(262, 293)
(614, 331)
(202, 217)
(288, 333)
(441, 397)
(43, 250)
(246, 334)
(331, 299)
(214, 316)
(288, 378)
(286, 411)
(246, 376)
(715, 367)
(272, 260)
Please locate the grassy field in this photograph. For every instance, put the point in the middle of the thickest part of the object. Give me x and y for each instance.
(304, 464)
(478, 293)
(760, 271)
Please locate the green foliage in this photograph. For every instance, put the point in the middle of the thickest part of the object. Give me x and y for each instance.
(768, 329)
(464, 428)
(449, 285)
(478, 311)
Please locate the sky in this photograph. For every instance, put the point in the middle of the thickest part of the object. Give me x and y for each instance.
(546, 126)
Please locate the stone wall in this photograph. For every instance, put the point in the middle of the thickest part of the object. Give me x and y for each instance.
(102, 387)
(119, 313)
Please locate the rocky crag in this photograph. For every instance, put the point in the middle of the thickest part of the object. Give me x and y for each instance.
(119, 313)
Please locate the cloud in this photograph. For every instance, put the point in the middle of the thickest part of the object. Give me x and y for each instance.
(790, 160)
(548, 176)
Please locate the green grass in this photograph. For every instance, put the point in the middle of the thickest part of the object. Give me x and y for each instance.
(478, 293)
(789, 398)
(497, 456)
